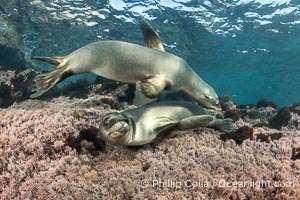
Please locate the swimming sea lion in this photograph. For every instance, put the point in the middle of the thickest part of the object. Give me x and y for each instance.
(154, 69)
(128, 63)
(153, 122)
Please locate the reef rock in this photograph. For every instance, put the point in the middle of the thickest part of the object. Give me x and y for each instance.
(54, 153)
(49, 149)
(15, 86)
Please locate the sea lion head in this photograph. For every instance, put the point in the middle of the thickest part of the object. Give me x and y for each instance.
(209, 98)
(115, 129)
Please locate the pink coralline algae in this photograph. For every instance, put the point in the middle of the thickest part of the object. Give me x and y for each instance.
(55, 154)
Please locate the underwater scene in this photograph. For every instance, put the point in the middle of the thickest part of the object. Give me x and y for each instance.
(155, 99)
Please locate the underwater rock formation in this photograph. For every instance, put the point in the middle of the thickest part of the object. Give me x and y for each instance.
(282, 118)
(15, 86)
(92, 96)
(49, 149)
(263, 103)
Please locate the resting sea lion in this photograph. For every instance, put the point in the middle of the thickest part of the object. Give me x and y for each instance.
(153, 122)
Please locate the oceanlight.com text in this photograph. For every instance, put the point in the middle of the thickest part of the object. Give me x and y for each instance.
(172, 183)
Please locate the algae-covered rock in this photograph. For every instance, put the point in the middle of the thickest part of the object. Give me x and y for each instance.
(15, 86)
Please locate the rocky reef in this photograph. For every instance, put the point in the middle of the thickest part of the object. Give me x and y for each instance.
(49, 149)
(15, 86)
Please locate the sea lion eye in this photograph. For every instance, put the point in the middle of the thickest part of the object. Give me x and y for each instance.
(106, 121)
(207, 97)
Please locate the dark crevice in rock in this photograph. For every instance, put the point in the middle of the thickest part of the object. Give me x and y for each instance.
(296, 153)
(87, 142)
(269, 137)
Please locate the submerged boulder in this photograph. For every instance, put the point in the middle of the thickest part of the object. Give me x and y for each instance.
(15, 86)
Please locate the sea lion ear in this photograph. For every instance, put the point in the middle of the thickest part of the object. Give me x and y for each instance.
(151, 37)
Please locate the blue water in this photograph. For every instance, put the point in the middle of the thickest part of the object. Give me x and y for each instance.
(248, 49)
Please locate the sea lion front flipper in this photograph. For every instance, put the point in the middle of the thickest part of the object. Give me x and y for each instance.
(225, 125)
(139, 98)
(162, 124)
(153, 87)
(151, 37)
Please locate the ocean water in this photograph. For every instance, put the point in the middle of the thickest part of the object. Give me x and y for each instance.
(248, 49)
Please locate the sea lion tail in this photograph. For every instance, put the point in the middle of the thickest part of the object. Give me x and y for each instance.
(45, 81)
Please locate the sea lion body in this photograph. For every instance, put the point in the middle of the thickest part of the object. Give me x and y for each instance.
(126, 62)
(146, 118)
(153, 122)
(130, 63)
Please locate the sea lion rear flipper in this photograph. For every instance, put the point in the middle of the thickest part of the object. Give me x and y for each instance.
(45, 81)
(140, 99)
(196, 122)
(151, 37)
(153, 87)
(59, 61)
(225, 125)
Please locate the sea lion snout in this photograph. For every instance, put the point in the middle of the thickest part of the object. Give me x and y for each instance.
(114, 128)
(209, 101)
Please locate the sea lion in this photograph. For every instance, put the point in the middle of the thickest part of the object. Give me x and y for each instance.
(154, 69)
(151, 37)
(128, 63)
(153, 122)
